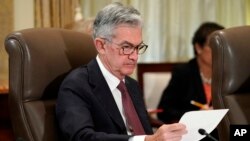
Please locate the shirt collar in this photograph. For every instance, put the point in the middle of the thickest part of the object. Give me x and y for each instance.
(112, 80)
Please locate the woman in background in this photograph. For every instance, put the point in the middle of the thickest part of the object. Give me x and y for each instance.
(191, 81)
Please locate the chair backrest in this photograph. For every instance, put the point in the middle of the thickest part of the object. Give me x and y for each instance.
(38, 61)
(231, 76)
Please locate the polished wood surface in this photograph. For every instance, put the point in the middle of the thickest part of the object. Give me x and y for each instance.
(6, 133)
(4, 90)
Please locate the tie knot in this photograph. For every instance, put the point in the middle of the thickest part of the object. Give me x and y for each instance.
(122, 86)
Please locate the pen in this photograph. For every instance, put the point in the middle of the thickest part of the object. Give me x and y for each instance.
(198, 104)
(152, 111)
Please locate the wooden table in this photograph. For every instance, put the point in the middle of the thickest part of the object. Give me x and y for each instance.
(6, 132)
(4, 90)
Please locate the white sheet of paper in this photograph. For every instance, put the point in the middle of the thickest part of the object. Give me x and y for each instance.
(206, 119)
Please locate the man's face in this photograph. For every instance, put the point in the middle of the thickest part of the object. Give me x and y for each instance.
(112, 55)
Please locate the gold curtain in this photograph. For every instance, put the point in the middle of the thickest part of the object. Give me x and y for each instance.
(6, 22)
(248, 12)
(54, 13)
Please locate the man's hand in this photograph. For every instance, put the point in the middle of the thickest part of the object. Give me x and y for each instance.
(168, 132)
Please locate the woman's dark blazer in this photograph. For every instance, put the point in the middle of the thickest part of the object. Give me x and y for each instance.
(184, 86)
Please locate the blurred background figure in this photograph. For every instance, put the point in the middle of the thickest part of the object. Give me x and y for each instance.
(190, 86)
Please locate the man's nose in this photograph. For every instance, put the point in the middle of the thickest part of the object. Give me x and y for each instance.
(134, 55)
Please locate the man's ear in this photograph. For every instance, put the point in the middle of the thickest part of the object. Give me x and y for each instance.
(100, 45)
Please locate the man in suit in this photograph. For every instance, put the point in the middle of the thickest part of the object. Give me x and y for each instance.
(90, 104)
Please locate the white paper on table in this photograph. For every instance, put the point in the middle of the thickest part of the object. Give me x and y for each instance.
(206, 119)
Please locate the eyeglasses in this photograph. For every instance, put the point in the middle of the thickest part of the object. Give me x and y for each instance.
(128, 48)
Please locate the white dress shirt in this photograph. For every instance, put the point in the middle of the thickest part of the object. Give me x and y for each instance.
(113, 82)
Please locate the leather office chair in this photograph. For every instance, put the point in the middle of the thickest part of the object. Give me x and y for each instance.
(38, 61)
(231, 76)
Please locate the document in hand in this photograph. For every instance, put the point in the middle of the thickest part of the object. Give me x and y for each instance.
(205, 119)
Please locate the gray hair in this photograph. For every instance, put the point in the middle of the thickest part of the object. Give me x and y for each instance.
(113, 15)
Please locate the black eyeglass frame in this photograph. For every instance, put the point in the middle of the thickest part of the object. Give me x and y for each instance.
(141, 48)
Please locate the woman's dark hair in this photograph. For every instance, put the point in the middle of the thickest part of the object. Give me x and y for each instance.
(202, 33)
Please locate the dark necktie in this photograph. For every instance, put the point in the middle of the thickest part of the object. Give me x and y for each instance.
(134, 124)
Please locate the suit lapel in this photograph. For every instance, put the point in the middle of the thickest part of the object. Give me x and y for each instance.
(102, 92)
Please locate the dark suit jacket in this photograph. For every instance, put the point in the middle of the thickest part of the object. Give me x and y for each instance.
(86, 109)
(184, 86)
